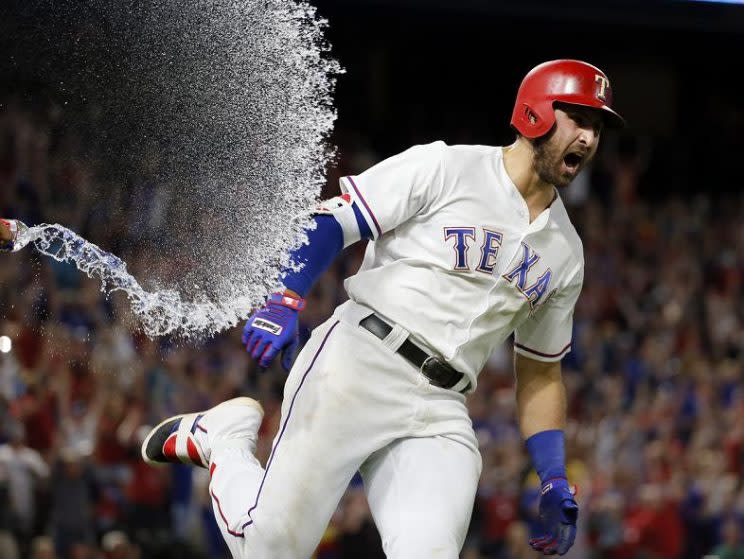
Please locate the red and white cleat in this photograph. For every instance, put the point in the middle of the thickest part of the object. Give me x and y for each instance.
(190, 438)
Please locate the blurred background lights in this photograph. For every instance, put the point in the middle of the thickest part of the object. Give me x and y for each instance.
(5, 344)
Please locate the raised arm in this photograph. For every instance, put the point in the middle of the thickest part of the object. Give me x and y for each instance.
(373, 203)
(273, 328)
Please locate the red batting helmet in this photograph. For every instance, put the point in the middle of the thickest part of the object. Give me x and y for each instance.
(567, 81)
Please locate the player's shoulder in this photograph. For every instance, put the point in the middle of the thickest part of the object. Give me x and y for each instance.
(443, 149)
(437, 146)
(469, 151)
(451, 159)
(423, 153)
(458, 157)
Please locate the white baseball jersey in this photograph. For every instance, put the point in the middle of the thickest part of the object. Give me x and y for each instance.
(456, 261)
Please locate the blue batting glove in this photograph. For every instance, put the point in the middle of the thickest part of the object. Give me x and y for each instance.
(272, 329)
(557, 521)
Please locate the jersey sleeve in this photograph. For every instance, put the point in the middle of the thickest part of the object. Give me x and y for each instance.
(546, 336)
(397, 188)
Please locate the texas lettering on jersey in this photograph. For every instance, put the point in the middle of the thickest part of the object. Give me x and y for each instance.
(520, 275)
(455, 208)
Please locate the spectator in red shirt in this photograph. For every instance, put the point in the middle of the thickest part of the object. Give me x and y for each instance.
(654, 527)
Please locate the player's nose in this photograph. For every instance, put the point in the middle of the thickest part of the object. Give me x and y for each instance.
(588, 135)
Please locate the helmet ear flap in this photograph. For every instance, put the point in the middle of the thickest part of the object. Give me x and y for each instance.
(533, 121)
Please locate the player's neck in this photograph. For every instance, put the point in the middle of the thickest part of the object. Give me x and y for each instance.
(518, 162)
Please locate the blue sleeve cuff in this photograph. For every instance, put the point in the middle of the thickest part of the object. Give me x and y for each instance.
(548, 453)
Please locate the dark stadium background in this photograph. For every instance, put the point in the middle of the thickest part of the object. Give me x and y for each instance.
(674, 68)
(656, 431)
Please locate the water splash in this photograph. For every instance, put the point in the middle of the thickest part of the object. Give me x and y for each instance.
(160, 312)
(205, 124)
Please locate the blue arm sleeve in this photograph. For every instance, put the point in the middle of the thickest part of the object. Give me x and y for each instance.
(547, 450)
(325, 243)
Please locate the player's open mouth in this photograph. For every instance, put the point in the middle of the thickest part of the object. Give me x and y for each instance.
(572, 161)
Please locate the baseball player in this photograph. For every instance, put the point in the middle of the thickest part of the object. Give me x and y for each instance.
(468, 245)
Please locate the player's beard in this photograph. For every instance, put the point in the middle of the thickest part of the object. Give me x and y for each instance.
(548, 162)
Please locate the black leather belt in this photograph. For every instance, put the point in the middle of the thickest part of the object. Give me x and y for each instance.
(438, 372)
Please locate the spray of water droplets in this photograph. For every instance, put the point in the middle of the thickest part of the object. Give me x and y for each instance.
(161, 312)
(211, 118)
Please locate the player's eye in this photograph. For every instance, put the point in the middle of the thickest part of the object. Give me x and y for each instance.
(580, 119)
(585, 121)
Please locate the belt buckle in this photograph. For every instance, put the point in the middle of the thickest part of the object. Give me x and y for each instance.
(428, 368)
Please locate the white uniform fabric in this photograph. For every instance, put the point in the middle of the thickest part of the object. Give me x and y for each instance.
(457, 266)
(340, 208)
(456, 260)
(413, 443)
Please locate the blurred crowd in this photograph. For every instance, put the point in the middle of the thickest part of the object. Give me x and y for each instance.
(656, 411)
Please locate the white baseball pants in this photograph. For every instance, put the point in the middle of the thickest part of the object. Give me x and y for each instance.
(352, 403)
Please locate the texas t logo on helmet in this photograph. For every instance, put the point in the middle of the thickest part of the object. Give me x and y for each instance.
(567, 81)
(604, 83)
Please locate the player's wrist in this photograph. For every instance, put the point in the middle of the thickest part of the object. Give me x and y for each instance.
(547, 450)
(288, 299)
(559, 483)
(291, 293)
